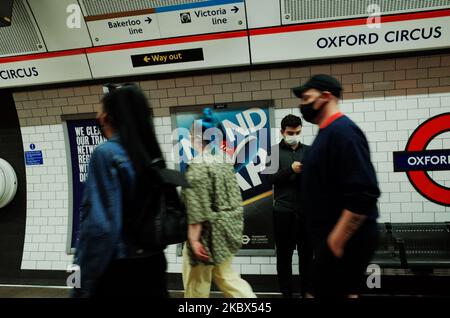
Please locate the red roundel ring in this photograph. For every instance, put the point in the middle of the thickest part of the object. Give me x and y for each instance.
(419, 141)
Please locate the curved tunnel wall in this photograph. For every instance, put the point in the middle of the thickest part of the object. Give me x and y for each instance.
(12, 216)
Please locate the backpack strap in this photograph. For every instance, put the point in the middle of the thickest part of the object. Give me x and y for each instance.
(158, 163)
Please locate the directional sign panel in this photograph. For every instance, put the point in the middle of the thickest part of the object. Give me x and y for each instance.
(170, 55)
(201, 17)
(123, 29)
(170, 21)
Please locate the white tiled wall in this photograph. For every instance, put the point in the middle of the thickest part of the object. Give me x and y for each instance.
(388, 123)
(47, 201)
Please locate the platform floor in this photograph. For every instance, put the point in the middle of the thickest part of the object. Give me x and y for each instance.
(58, 292)
(33, 292)
(10, 291)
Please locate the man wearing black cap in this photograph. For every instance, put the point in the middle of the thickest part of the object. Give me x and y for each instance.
(339, 192)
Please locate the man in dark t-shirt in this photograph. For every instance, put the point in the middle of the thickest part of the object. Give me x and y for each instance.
(289, 226)
(339, 192)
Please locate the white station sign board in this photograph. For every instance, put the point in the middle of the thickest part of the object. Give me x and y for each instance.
(350, 38)
(44, 69)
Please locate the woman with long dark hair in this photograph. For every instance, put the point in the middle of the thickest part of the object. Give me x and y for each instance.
(117, 170)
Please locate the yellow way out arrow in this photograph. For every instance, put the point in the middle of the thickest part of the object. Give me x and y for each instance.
(146, 59)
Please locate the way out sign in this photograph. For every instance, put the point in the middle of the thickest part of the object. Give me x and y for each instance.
(168, 57)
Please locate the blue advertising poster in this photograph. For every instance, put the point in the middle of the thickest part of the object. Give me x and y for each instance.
(83, 135)
(248, 144)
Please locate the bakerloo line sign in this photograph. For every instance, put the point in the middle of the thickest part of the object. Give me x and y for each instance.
(416, 161)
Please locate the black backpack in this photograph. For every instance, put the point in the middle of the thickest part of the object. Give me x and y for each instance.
(157, 216)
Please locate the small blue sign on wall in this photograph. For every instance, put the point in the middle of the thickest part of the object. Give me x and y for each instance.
(33, 158)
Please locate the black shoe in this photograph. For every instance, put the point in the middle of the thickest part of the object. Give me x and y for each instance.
(287, 295)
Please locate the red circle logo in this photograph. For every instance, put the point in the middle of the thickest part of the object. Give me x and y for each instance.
(419, 141)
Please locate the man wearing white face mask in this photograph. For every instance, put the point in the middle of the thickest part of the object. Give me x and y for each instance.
(289, 225)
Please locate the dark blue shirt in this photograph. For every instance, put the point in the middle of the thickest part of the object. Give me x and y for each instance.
(338, 175)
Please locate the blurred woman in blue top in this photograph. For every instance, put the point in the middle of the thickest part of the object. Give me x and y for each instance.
(115, 170)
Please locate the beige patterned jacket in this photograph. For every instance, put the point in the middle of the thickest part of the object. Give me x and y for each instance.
(214, 200)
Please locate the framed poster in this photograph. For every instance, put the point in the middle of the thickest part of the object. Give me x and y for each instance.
(248, 143)
(82, 134)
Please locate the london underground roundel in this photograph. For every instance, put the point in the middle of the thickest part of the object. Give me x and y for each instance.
(416, 161)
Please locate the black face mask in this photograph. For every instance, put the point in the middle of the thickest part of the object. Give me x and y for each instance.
(308, 111)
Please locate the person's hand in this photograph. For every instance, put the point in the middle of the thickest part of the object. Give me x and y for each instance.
(199, 251)
(296, 167)
(336, 245)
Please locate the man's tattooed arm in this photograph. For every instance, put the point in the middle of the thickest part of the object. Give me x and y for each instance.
(344, 229)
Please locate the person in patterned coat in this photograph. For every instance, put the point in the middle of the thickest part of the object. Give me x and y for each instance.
(215, 218)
